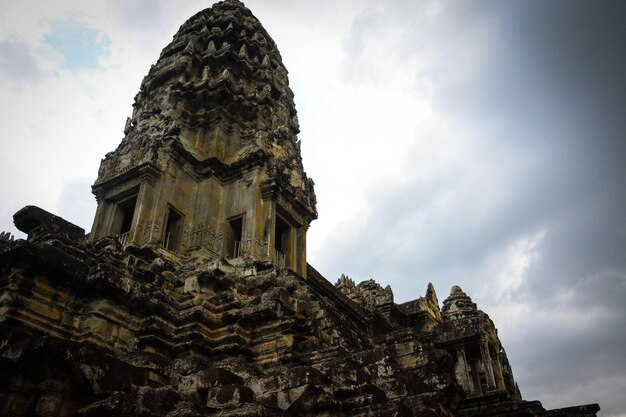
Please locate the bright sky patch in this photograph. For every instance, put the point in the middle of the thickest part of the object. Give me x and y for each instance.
(80, 45)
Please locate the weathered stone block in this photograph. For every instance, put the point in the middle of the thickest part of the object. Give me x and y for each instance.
(37, 222)
(226, 395)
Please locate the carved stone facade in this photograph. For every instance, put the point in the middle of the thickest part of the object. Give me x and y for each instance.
(192, 296)
(210, 162)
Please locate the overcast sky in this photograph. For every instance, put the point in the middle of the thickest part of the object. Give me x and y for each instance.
(474, 143)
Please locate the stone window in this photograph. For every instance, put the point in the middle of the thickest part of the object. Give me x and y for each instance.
(173, 229)
(233, 236)
(282, 242)
(123, 219)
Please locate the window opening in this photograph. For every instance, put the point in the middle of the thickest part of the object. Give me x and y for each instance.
(476, 374)
(281, 242)
(232, 241)
(124, 219)
(173, 230)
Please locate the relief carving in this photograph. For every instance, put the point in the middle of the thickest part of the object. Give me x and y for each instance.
(218, 244)
(197, 236)
(247, 246)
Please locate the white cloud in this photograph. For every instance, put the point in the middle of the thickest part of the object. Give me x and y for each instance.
(506, 270)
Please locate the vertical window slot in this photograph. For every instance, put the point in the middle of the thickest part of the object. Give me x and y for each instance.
(173, 230)
(233, 237)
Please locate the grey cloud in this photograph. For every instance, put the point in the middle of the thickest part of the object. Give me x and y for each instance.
(549, 100)
(589, 360)
(18, 66)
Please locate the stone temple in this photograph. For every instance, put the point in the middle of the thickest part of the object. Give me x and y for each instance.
(192, 295)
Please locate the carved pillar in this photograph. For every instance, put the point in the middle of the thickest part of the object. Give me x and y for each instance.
(98, 227)
(497, 370)
(486, 359)
(149, 213)
(136, 231)
(301, 251)
(475, 373)
(271, 224)
(461, 369)
(269, 195)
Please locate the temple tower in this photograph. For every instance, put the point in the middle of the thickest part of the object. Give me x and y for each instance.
(210, 164)
(481, 365)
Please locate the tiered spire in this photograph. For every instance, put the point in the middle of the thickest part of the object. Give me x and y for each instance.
(220, 89)
(457, 303)
(210, 153)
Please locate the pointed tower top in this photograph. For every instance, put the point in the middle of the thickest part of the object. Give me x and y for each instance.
(430, 292)
(210, 153)
(457, 303)
(219, 89)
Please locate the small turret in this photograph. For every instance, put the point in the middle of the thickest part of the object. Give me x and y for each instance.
(482, 367)
(457, 304)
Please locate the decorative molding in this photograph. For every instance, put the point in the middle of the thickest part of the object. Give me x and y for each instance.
(270, 190)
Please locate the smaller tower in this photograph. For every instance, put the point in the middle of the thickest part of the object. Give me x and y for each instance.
(210, 164)
(471, 337)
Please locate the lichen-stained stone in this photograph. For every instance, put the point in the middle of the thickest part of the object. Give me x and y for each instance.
(192, 296)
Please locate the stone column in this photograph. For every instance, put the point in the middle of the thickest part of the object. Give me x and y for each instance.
(269, 229)
(99, 227)
(139, 216)
(475, 373)
(147, 222)
(269, 195)
(461, 369)
(497, 371)
(301, 250)
(149, 212)
(486, 359)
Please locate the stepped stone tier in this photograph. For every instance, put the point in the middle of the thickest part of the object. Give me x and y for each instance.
(192, 296)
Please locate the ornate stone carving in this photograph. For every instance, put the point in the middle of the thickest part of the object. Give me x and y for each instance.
(247, 246)
(186, 237)
(140, 237)
(210, 237)
(218, 244)
(368, 293)
(197, 236)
